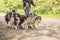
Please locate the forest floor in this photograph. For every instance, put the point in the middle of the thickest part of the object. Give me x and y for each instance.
(49, 30)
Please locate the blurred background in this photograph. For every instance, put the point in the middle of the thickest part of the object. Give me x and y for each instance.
(45, 8)
(49, 28)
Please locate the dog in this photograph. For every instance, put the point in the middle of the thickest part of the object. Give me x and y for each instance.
(34, 21)
(9, 18)
(26, 23)
(17, 21)
(23, 21)
(30, 21)
(9, 15)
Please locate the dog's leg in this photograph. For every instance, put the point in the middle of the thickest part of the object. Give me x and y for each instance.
(23, 25)
(32, 22)
(26, 27)
(18, 23)
(15, 27)
(9, 24)
(36, 26)
(12, 26)
(31, 25)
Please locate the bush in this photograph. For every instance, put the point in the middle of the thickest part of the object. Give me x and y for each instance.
(42, 6)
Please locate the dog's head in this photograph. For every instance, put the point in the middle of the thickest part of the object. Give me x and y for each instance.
(32, 14)
(38, 19)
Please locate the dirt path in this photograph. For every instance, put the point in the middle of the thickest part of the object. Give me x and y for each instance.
(49, 30)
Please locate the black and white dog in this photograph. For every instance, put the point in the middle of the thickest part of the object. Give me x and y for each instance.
(14, 19)
(11, 17)
(17, 21)
(22, 20)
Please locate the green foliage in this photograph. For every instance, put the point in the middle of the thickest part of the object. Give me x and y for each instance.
(42, 6)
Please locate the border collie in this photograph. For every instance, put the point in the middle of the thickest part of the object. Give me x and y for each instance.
(9, 18)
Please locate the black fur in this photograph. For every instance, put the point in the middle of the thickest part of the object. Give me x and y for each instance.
(9, 15)
(22, 19)
(15, 19)
(7, 18)
(32, 14)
